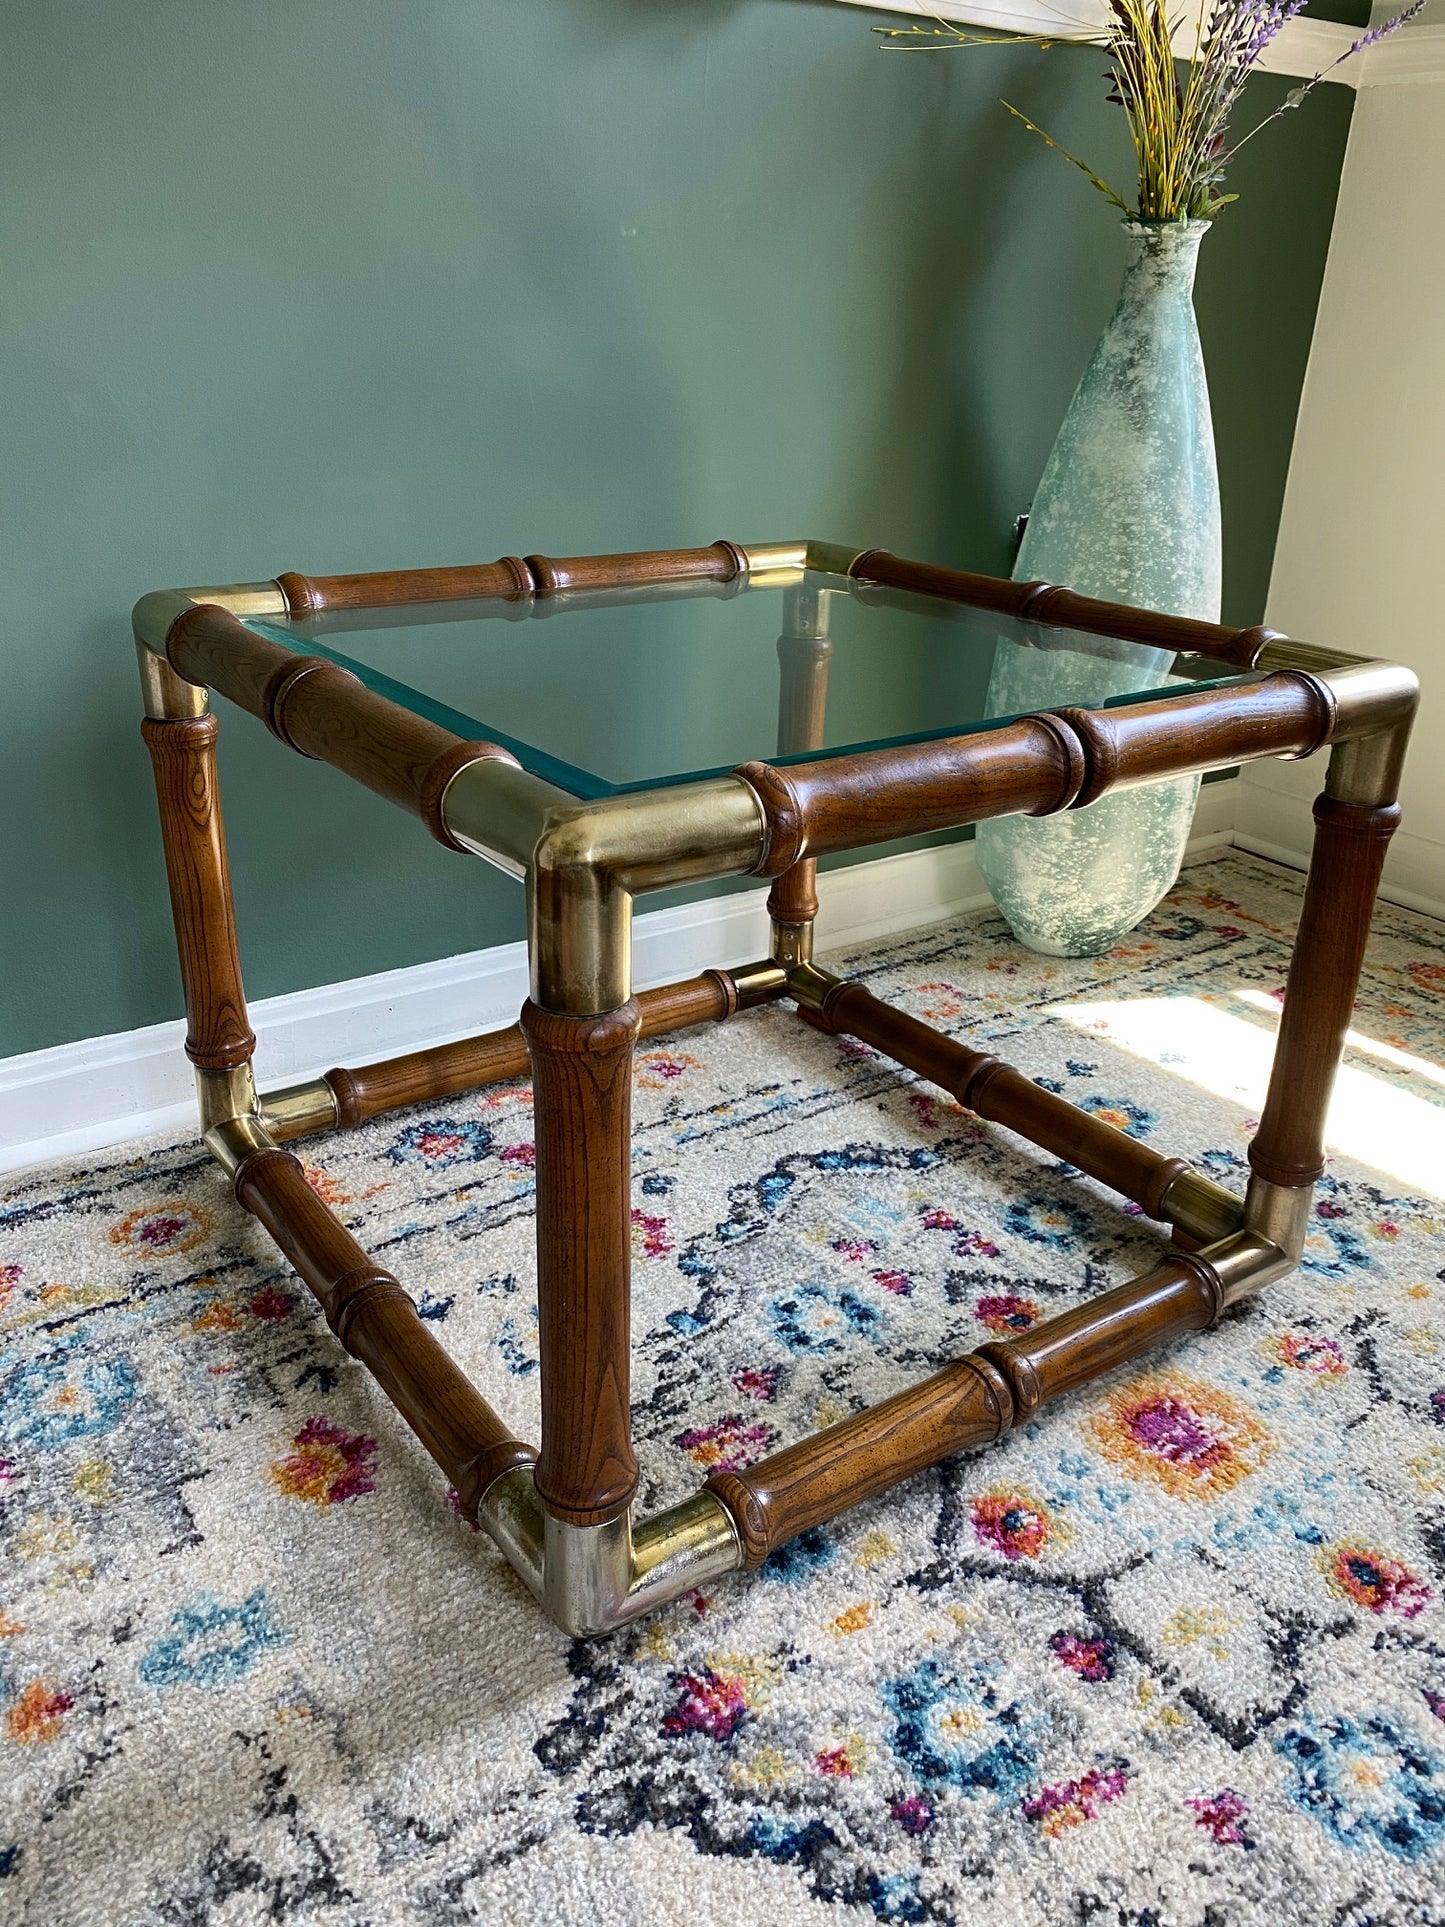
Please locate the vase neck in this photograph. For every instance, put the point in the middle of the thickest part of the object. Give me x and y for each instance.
(1163, 256)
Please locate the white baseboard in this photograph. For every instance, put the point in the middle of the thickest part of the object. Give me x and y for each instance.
(99, 1091)
(103, 1090)
(1279, 825)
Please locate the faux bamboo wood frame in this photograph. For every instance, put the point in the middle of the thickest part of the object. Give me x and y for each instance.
(563, 1515)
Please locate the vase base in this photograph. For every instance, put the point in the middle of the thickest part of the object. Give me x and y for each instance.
(1049, 947)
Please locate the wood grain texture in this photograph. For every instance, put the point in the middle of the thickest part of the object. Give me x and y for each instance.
(719, 562)
(1037, 765)
(846, 802)
(836, 1469)
(210, 646)
(1064, 1353)
(507, 580)
(1349, 853)
(378, 1324)
(582, 1098)
(995, 1090)
(183, 757)
(368, 1090)
(325, 712)
(794, 895)
(1059, 608)
(1284, 714)
(967, 1403)
(511, 579)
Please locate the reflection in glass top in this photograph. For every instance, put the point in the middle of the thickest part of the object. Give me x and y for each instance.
(632, 688)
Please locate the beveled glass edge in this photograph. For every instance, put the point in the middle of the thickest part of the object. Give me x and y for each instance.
(589, 786)
(539, 762)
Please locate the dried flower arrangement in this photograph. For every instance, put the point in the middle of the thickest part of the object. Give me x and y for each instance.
(1177, 106)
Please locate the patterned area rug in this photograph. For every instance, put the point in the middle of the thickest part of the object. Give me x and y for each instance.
(1175, 1654)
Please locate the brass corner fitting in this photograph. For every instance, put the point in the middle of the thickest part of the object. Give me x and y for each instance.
(809, 986)
(584, 861)
(1375, 704)
(300, 1109)
(169, 697)
(593, 1579)
(793, 944)
(232, 1128)
(1269, 1245)
(757, 983)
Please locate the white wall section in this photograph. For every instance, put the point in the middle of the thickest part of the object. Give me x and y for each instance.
(1360, 562)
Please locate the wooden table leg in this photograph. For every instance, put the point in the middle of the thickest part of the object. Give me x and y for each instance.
(183, 756)
(582, 1095)
(1351, 839)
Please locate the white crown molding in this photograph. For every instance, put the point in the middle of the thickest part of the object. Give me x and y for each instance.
(76, 1098)
(1414, 56)
(1303, 48)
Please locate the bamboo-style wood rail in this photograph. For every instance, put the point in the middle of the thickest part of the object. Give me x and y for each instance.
(512, 579)
(968, 1403)
(1057, 608)
(183, 757)
(992, 1089)
(370, 1090)
(1349, 852)
(375, 1319)
(1036, 766)
(323, 711)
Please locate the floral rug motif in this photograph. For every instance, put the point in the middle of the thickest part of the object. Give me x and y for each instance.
(1171, 1656)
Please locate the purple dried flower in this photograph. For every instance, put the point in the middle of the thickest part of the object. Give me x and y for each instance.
(1178, 105)
(1386, 27)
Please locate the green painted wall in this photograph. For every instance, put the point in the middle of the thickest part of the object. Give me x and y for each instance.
(342, 284)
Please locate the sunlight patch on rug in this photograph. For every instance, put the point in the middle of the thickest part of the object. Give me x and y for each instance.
(1370, 1118)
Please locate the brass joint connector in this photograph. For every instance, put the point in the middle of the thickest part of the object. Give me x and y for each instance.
(1201, 1207)
(585, 861)
(793, 944)
(757, 983)
(593, 1579)
(232, 1128)
(832, 558)
(300, 1109)
(1269, 1244)
(169, 697)
(1244, 1263)
(592, 859)
(1281, 1213)
(775, 565)
(154, 616)
(809, 986)
(1375, 704)
(223, 1095)
(234, 1140)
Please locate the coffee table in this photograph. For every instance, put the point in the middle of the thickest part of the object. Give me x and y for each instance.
(676, 717)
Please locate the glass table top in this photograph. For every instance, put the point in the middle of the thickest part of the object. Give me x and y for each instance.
(629, 689)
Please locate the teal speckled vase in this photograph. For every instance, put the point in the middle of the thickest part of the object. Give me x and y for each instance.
(1128, 509)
